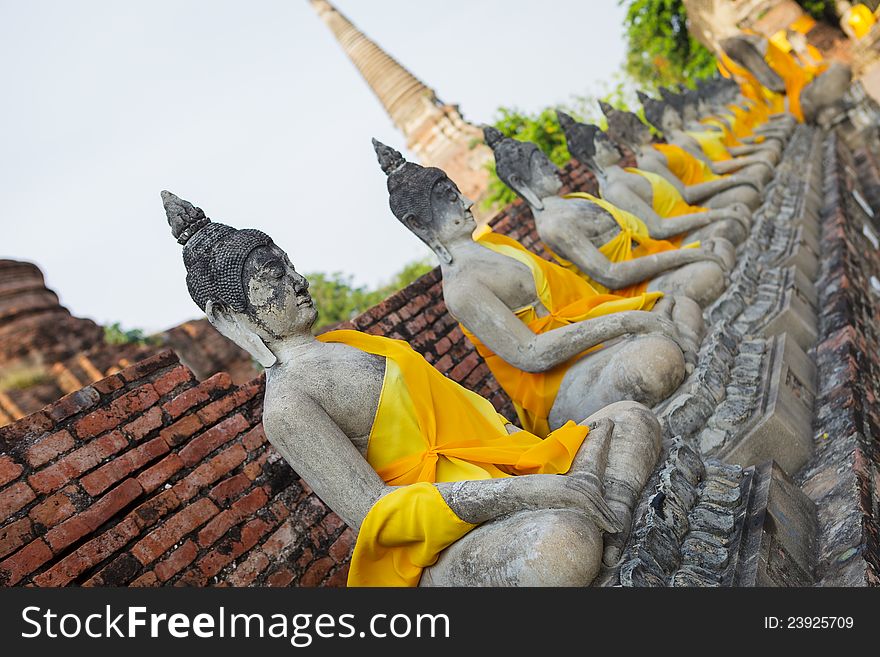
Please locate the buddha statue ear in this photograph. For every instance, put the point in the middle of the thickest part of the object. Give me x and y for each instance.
(411, 221)
(231, 327)
(519, 186)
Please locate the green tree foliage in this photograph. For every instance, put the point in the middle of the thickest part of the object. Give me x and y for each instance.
(115, 334)
(821, 10)
(660, 51)
(338, 299)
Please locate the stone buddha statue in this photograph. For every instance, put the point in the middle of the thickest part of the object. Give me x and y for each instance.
(691, 177)
(441, 489)
(586, 232)
(757, 168)
(647, 195)
(810, 90)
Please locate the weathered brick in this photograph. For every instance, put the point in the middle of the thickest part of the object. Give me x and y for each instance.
(149, 365)
(46, 449)
(338, 579)
(171, 380)
(248, 570)
(280, 577)
(154, 509)
(285, 536)
(230, 488)
(75, 402)
(119, 571)
(316, 572)
(310, 511)
(24, 562)
(142, 426)
(120, 409)
(9, 470)
(88, 555)
(134, 459)
(254, 438)
(14, 535)
(209, 472)
(14, 497)
(109, 384)
(197, 395)
(157, 542)
(54, 509)
(77, 462)
(180, 431)
(251, 503)
(341, 548)
(218, 435)
(30, 425)
(96, 515)
(251, 532)
(146, 580)
(153, 477)
(221, 408)
(176, 561)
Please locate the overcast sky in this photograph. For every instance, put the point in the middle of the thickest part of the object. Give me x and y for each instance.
(252, 111)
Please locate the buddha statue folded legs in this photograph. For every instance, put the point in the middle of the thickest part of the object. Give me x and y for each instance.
(405, 456)
(610, 248)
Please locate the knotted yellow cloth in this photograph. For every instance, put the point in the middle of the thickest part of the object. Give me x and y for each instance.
(766, 102)
(666, 199)
(860, 19)
(430, 429)
(633, 241)
(687, 168)
(568, 298)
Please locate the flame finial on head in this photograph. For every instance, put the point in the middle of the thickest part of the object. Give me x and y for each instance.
(389, 159)
(184, 218)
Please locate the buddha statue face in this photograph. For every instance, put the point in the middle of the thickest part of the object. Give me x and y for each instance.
(426, 201)
(524, 168)
(626, 128)
(243, 281)
(672, 120)
(607, 153)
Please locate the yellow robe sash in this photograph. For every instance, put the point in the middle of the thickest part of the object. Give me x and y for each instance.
(687, 168)
(568, 298)
(860, 19)
(430, 429)
(666, 199)
(712, 144)
(633, 241)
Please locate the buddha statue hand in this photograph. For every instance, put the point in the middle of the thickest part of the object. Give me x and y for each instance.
(584, 494)
(737, 212)
(750, 181)
(687, 340)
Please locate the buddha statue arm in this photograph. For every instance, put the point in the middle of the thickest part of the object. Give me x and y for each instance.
(320, 452)
(498, 328)
(658, 227)
(691, 193)
(575, 245)
(737, 163)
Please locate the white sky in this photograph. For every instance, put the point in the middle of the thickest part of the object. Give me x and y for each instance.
(252, 111)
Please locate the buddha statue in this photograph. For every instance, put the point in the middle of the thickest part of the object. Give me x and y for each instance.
(691, 177)
(649, 196)
(757, 168)
(610, 247)
(810, 90)
(441, 489)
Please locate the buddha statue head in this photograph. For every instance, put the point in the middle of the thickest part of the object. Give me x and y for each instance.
(524, 168)
(243, 282)
(660, 114)
(588, 144)
(626, 127)
(426, 201)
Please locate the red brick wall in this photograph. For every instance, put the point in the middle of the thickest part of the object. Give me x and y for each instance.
(148, 477)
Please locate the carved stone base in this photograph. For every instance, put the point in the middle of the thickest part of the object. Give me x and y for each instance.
(779, 541)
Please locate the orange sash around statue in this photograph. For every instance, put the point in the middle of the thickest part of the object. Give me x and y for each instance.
(430, 429)
(666, 200)
(568, 299)
(688, 169)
